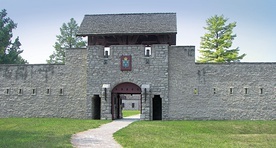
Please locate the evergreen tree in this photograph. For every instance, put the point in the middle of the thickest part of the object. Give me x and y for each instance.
(216, 43)
(66, 39)
(9, 51)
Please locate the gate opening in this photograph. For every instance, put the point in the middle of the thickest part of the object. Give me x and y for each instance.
(124, 91)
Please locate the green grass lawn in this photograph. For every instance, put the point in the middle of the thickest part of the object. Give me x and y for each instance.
(214, 134)
(42, 132)
(127, 113)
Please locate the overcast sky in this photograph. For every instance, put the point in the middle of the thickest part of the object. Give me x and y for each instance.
(39, 22)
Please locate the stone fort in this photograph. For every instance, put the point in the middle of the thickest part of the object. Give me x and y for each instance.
(136, 54)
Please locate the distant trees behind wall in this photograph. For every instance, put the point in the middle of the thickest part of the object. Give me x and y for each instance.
(66, 39)
(9, 50)
(216, 43)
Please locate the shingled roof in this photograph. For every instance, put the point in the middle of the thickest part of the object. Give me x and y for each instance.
(132, 23)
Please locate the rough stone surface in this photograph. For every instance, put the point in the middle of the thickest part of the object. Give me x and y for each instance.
(233, 91)
(40, 78)
(155, 73)
(213, 100)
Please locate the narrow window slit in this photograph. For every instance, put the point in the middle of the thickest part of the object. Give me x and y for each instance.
(245, 90)
(214, 91)
(261, 91)
(106, 52)
(231, 91)
(7, 91)
(34, 91)
(20, 91)
(61, 91)
(48, 91)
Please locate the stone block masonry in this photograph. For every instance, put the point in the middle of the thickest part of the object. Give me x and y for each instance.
(232, 91)
(238, 91)
(103, 70)
(44, 90)
(189, 90)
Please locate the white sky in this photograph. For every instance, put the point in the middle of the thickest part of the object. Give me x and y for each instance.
(39, 22)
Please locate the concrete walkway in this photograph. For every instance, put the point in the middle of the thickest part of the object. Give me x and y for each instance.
(102, 137)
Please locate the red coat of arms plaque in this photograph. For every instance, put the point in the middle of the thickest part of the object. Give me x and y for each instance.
(126, 63)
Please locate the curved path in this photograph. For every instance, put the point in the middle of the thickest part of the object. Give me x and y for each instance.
(102, 137)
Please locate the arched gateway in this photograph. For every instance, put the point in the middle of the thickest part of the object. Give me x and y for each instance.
(117, 91)
(127, 50)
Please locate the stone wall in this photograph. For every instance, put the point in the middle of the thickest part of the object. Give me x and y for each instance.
(238, 90)
(235, 91)
(181, 83)
(131, 102)
(44, 90)
(107, 71)
(189, 91)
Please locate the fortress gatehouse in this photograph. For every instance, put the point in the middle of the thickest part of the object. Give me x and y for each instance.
(136, 54)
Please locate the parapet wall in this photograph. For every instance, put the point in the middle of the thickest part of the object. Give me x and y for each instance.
(238, 90)
(44, 90)
(234, 91)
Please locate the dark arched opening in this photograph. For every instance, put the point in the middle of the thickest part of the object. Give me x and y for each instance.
(96, 107)
(157, 108)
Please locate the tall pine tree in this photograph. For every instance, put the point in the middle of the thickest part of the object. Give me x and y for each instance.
(66, 39)
(216, 43)
(9, 51)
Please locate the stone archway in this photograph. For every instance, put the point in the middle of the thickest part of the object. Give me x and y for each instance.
(116, 101)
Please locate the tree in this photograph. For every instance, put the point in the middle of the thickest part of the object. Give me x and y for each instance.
(216, 43)
(9, 51)
(66, 39)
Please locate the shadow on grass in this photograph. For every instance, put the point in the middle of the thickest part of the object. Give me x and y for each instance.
(26, 139)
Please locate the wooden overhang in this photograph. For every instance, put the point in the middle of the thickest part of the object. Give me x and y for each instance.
(129, 29)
